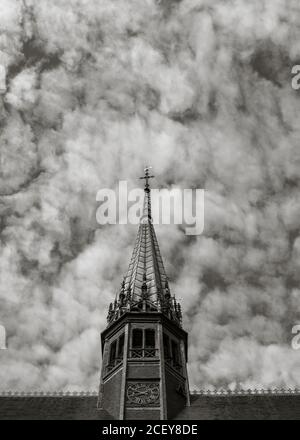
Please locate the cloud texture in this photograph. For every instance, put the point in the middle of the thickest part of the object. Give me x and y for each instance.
(199, 89)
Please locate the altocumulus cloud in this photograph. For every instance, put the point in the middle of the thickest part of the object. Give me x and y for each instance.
(201, 90)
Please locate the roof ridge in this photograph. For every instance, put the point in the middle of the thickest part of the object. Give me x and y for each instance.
(47, 393)
(217, 392)
(253, 392)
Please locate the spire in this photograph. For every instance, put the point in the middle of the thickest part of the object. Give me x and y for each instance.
(145, 286)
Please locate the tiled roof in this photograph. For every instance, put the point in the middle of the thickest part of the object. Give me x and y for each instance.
(243, 407)
(59, 407)
(271, 404)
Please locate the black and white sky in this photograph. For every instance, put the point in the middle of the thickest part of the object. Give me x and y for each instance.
(199, 89)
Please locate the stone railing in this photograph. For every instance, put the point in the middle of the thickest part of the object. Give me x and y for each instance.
(143, 352)
(221, 392)
(249, 392)
(48, 393)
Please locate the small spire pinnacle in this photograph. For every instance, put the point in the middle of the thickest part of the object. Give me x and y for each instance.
(144, 287)
(110, 313)
(167, 294)
(128, 294)
(122, 293)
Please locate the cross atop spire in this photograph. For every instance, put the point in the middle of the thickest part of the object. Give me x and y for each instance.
(147, 177)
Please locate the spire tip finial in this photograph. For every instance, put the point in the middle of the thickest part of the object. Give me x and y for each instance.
(146, 177)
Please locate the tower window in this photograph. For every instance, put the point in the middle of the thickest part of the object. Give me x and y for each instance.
(112, 353)
(121, 346)
(137, 338)
(167, 347)
(175, 355)
(116, 352)
(143, 343)
(149, 338)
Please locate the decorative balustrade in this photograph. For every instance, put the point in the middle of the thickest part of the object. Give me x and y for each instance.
(48, 393)
(220, 392)
(241, 392)
(143, 352)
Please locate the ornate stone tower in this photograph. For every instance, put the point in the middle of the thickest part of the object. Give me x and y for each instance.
(144, 348)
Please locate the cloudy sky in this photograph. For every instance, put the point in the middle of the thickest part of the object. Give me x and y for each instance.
(199, 89)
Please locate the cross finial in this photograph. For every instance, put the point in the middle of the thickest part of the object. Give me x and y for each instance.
(146, 177)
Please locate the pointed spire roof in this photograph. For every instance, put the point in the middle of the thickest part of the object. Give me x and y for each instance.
(145, 286)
